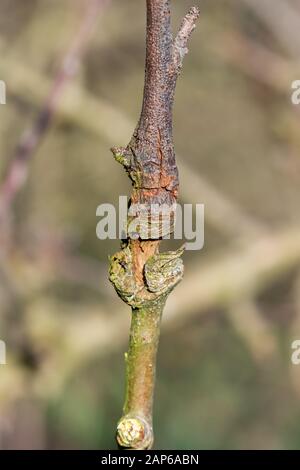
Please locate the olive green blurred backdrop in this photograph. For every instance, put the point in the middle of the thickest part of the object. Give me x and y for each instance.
(225, 378)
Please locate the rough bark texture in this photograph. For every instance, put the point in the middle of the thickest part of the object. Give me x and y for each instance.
(142, 276)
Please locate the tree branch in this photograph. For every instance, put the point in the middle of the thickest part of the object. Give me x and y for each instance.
(142, 276)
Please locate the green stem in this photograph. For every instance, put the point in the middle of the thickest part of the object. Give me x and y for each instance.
(135, 427)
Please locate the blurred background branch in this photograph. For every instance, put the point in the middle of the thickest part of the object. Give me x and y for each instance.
(16, 174)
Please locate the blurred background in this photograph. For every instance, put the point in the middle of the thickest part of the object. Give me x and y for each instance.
(74, 74)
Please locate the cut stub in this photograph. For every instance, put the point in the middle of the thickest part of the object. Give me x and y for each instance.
(134, 433)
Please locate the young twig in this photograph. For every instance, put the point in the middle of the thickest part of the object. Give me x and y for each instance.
(142, 276)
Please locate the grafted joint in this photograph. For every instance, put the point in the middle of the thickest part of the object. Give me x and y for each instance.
(162, 272)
